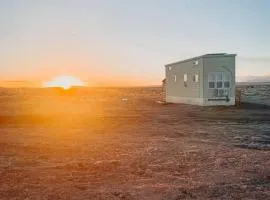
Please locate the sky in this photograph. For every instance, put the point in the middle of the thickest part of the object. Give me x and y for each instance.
(128, 42)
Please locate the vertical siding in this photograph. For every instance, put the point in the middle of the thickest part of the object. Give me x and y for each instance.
(177, 89)
(219, 64)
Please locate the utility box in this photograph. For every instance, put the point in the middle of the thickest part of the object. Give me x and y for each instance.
(207, 80)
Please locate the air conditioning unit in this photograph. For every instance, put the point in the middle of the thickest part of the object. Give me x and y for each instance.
(215, 92)
(223, 92)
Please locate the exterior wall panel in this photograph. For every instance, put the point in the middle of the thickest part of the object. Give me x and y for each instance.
(224, 64)
(176, 89)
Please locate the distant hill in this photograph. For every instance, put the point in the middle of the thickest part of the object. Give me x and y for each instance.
(261, 79)
(254, 79)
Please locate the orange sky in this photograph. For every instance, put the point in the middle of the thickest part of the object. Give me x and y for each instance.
(126, 43)
(96, 81)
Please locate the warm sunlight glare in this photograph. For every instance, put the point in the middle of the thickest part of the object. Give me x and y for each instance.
(64, 82)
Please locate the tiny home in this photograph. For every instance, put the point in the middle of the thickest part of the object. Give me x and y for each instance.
(207, 80)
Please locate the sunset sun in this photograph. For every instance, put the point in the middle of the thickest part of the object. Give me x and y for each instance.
(64, 82)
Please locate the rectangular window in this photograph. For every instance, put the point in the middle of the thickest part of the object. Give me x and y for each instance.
(226, 79)
(174, 78)
(211, 85)
(219, 79)
(185, 80)
(219, 84)
(185, 77)
(226, 84)
(211, 80)
(195, 78)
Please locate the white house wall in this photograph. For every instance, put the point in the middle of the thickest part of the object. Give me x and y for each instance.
(175, 90)
(219, 64)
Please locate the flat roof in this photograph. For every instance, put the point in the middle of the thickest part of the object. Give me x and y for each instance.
(203, 56)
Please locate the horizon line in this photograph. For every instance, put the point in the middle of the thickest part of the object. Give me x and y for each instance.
(114, 86)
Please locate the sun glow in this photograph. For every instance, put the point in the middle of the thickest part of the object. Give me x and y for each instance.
(64, 82)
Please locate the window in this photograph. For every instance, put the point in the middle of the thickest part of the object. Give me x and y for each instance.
(174, 78)
(195, 62)
(219, 84)
(185, 77)
(211, 80)
(170, 68)
(226, 84)
(226, 80)
(219, 79)
(195, 78)
(185, 80)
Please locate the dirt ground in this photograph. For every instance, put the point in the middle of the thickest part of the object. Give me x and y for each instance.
(111, 143)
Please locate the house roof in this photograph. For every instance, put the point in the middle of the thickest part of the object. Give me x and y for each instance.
(203, 56)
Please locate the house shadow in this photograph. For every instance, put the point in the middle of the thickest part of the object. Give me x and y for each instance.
(254, 106)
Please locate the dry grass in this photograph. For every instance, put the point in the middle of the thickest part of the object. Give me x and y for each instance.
(121, 144)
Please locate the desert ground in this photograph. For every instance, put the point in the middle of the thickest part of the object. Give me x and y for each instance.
(113, 143)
